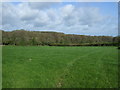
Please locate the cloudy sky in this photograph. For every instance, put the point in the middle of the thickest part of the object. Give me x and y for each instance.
(98, 18)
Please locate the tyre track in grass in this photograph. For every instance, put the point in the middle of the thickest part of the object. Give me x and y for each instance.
(69, 65)
(107, 70)
(101, 68)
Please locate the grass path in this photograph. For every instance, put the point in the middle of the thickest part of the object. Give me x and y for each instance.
(70, 65)
(100, 72)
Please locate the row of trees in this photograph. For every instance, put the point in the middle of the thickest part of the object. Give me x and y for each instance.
(22, 37)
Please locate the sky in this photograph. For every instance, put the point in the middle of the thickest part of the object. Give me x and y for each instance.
(83, 18)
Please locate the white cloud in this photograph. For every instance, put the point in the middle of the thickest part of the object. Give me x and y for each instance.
(60, 0)
(67, 10)
(40, 5)
(66, 18)
(9, 15)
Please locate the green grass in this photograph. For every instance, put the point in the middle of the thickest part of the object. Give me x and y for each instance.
(0, 67)
(60, 67)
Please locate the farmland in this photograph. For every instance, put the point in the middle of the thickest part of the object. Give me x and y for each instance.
(59, 67)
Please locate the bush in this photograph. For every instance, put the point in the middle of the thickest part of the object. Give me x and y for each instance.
(118, 47)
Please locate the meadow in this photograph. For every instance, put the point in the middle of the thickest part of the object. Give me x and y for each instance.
(59, 67)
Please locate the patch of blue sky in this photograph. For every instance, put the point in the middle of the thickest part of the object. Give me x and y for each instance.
(110, 8)
(15, 3)
(107, 8)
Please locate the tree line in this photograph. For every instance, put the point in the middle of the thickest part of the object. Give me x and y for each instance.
(23, 37)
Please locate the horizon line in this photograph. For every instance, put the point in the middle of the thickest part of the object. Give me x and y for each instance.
(57, 32)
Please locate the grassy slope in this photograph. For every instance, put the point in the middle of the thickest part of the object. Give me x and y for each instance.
(0, 67)
(51, 67)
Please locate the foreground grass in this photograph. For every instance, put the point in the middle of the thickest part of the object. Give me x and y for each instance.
(59, 67)
(0, 67)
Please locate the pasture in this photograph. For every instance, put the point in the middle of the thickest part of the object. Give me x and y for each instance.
(59, 67)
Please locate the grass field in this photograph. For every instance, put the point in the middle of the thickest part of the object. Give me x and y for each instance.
(60, 67)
